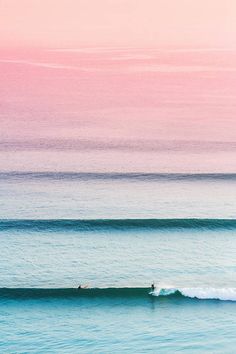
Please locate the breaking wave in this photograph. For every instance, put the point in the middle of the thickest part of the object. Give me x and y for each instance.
(226, 294)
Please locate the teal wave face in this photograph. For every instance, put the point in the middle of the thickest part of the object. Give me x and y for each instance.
(116, 224)
(225, 294)
(24, 293)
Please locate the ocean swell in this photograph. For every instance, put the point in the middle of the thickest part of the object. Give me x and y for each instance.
(116, 176)
(224, 294)
(115, 224)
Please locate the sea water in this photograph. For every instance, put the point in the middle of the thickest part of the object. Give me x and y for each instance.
(110, 246)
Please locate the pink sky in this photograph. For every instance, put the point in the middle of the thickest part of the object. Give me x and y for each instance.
(118, 22)
(169, 75)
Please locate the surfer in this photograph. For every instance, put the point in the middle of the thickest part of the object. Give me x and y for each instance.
(82, 287)
(153, 286)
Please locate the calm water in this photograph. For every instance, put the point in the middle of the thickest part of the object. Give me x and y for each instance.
(117, 172)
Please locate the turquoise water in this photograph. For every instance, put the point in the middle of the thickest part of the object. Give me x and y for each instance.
(120, 324)
(116, 234)
(64, 258)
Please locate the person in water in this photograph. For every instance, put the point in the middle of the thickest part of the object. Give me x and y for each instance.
(153, 286)
(82, 287)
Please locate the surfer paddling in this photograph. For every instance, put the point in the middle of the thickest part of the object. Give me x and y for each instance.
(82, 287)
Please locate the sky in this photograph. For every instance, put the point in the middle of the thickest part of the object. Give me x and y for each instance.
(70, 23)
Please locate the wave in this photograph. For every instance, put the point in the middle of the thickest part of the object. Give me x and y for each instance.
(134, 145)
(126, 176)
(116, 224)
(224, 294)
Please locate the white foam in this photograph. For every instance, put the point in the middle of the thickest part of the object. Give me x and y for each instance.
(226, 294)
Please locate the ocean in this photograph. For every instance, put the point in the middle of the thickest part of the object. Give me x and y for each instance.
(115, 175)
(72, 229)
